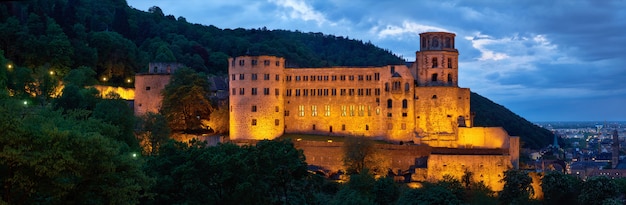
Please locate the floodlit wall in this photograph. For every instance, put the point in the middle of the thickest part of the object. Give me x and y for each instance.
(483, 137)
(487, 168)
(148, 89)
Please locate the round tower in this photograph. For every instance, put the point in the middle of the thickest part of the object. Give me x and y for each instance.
(437, 60)
(256, 99)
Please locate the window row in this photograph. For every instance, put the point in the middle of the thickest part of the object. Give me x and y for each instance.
(255, 122)
(253, 76)
(254, 62)
(396, 86)
(333, 92)
(376, 77)
(345, 110)
(254, 91)
(435, 63)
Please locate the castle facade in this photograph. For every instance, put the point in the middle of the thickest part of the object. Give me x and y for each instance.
(417, 102)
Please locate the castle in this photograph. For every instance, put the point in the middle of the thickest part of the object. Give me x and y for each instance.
(418, 102)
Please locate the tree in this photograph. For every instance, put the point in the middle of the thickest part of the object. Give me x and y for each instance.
(360, 154)
(597, 190)
(429, 194)
(153, 132)
(186, 100)
(116, 112)
(66, 160)
(219, 119)
(517, 187)
(559, 188)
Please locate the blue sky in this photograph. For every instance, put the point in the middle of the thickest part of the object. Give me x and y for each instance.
(544, 60)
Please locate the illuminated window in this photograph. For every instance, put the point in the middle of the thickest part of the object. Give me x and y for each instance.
(369, 110)
(343, 111)
(301, 110)
(377, 111)
(361, 110)
(351, 110)
(327, 110)
(313, 110)
(253, 122)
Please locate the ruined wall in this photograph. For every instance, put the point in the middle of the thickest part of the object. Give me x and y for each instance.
(438, 111)
(483, 137)
(148, 88)
(256, 98)
(487, 168)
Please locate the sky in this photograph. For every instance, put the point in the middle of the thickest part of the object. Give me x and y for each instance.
(544, 60)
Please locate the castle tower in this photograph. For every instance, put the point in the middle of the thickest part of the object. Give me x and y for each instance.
(148, 86)
(437, 61)
(256, 99)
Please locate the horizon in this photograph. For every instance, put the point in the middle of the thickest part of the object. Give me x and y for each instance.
(559, 63)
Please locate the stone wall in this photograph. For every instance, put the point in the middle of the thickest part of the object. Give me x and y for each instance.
(148, 88)
(487, 168)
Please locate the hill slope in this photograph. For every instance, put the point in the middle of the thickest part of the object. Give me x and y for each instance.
(490, 114)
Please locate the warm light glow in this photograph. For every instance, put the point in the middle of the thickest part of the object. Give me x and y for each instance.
(104, 78)
(329, 140)
(125, 93)
(51, 72)
(128, 80)
(25, 102)
(299, 139)
(414, 185)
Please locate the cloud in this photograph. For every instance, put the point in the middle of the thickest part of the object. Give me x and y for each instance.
(299, 9)
(407, 28)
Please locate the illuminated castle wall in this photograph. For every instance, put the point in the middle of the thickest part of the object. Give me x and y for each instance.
(420, 102)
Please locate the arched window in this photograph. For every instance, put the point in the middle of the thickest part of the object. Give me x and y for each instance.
(435, 63)
(406, 87)
(396, 85)
(405, 103)
(389, 103)
(387, 87)
(434, 78)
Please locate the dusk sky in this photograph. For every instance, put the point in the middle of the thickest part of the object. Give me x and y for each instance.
(544, 60)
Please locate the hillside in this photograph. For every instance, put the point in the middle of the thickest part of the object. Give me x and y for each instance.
(117, 41)
(490, 114)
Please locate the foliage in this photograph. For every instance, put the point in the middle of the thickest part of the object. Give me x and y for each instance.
(490, 114)
(117, 112)
(598, 190)
(50, 158)
(270, 172)
(517, 187)
(152, 131)
(559, 188)
(360, 154)
(186, 100)
(219, 119)
(429, 194)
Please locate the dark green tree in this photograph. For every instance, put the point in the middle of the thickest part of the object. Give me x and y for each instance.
(598, 190)
(153, 132)
(559, 188)
(429, 194)
(517, 187)
(186, 100)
